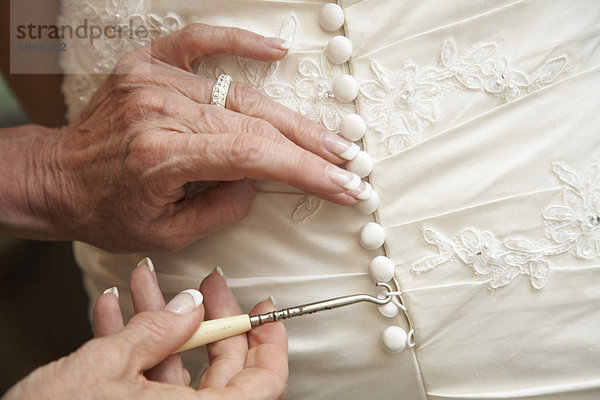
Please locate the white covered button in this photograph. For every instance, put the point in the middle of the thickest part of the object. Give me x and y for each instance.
(394, 339)
(361, 165)
(389, 310)
(339, 49)
(353, 127)
(372, 236)
(368, 206)
(331, 17)
(345, 88)
(382, 269)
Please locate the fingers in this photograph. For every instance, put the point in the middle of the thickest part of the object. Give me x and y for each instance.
(152, 336)
(147, 296)
(227, 357)
(205, 118)
(145, 292)
(186, 47)
(244, 100)
(211, 210)
(299, 129)
(107, 315)
(271, 333)
(230, 157)
(266, 369)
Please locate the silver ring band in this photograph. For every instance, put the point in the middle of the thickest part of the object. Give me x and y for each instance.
(220, 90)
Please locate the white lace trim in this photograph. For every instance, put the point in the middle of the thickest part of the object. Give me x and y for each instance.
(398, 104)
(573, 226)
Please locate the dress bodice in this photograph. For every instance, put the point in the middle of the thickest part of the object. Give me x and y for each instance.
(483, 127)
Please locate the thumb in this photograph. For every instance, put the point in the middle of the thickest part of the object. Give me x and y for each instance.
(152, 336)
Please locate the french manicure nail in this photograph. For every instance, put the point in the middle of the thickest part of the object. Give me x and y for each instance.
(357, 192)
(339, 146)
(346, 179)
(147, 262)
(271, 300)
(185, 302)
(113, 290)
(219, 271)
(277, 43)
(365, 194)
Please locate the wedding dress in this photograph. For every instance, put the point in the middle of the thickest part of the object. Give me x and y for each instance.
(483, 125)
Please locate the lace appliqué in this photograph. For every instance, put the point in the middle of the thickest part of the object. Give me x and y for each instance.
(310, 93)
(125, 15)
(306, 209)
(398, 104)
(570, 227)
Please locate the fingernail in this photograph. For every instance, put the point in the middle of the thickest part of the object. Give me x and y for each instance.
(277, 43)
(147, 262)
(346, 179)
(365, 193)
(113, 290)
(185, 302)
(271, 300)
(339, 146)
(218, 271)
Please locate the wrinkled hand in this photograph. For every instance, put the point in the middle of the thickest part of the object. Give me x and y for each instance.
(117, 174)
(134, 361)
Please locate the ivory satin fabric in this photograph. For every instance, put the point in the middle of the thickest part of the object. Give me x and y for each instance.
(468, 163)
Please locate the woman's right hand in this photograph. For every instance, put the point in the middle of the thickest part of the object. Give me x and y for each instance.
(116, 176)
(135, 361)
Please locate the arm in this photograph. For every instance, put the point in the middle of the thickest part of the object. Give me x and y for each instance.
(26, 154)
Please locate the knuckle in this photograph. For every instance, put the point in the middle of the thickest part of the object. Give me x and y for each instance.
(236, 212)
(304, 161)
(246, 99)
(305, 128)
(141, 103)
(105, 353)
(234, 34)
(259, 127)
(152, 327)
(194, 30)
(245, 150)
(131, 73)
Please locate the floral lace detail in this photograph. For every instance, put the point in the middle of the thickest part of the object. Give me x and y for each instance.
(313, 87)
(79, 84)
(398, 104)
(306, 209)
(260, 75)
(310, 93)
(570, 227)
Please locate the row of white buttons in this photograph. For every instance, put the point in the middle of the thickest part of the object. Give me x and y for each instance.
(372, 236)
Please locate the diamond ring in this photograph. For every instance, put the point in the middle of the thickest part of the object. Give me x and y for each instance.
(220, 90)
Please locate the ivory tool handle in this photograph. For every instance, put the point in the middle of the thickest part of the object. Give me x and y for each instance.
(217, 329)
